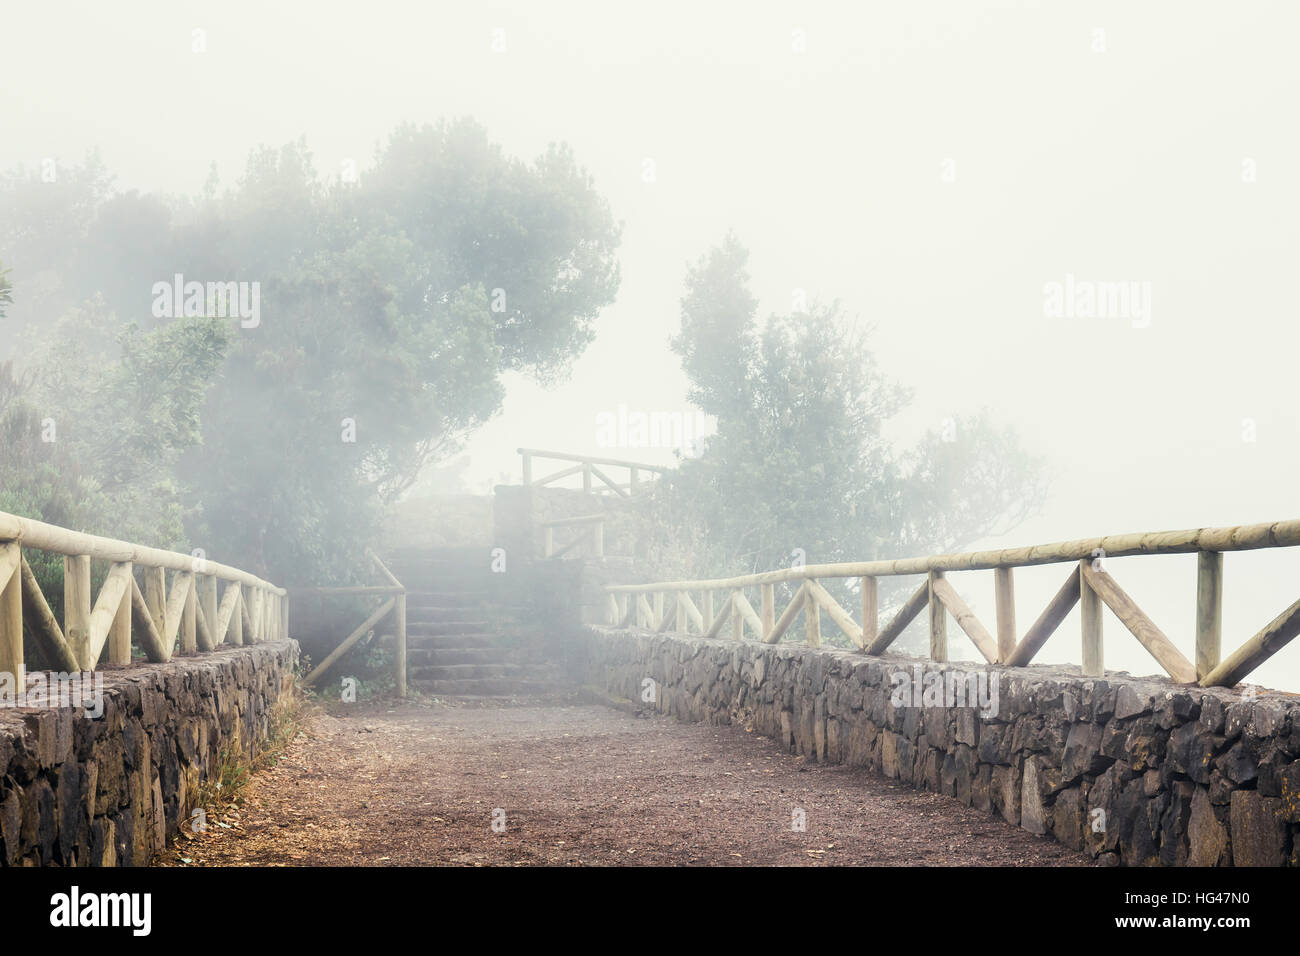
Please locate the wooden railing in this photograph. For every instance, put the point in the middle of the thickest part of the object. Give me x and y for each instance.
(591, 528)
(639, 474)
(1088, 584)
(194, 611)
(395, 605)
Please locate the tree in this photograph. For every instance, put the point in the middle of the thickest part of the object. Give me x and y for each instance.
(390, 308)
(799, 468)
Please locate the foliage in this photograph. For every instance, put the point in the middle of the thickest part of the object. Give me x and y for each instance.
(799, 468)
(390, 307)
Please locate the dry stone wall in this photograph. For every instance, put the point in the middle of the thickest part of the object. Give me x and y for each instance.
(1131, 771)
(110, 790)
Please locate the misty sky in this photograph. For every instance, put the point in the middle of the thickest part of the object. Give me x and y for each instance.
(931, 165)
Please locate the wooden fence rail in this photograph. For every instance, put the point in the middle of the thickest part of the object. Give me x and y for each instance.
(395, 604)
(1087, 584)
(593, 470)
(591, 529)
(195, 613)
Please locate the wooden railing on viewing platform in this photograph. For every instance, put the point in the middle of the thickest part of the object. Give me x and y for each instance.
(195, 610)
(592, 470)
(1087, 584)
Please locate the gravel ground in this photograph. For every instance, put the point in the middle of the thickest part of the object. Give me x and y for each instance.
(577, 785)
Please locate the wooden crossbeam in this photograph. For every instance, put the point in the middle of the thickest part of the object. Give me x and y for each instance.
(966, 619)
(748, 614)
(563, 473)
(111, 593)
(843, 620)
(664, 619)
(1272, 638)
(906, 614)
(1061, 604)
(174, 608)
(692, 612)
(119, 632)
(246, 617)
(1151, 637)
(225, 613)
(787, 616)
(146, 631)
(608, 481)
(202, 629)
(207, 618)
(43, 624)
(716, 627)
(362, 630)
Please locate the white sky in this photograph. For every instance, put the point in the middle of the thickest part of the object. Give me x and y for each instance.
(1117, 165)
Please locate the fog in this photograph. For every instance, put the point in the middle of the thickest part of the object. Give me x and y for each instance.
(934, 167)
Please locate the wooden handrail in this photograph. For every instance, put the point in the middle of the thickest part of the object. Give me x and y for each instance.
(576, 519)
(1277, 534)
(1088, 584)
(47, 537)
(590, 460)
(187, 618)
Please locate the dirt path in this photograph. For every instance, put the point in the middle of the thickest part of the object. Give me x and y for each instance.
(580, 785)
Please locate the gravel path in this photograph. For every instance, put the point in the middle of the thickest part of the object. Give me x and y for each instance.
(418, 785)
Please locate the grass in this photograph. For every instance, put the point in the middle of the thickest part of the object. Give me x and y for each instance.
(234, 768)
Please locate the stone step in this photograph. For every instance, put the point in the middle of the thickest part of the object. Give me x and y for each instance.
(454, 655)
(432, 628)
(451, 641)
(486, 687)
(435, 613)
(440, 671)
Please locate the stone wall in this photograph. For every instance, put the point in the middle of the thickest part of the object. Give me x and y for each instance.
(78, 790)
(1130, 771)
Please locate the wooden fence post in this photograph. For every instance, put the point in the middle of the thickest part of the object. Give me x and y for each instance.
(399, 613)
(1094, 663)
(11, 615)
(812, 619)
(870, 611)
(768, 592)
(76, 606)
(938, 622)
(119, 635)
(1004, 595)
(1209, 611)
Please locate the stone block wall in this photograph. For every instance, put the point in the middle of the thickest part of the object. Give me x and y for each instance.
(111, 790)
(1131, 771)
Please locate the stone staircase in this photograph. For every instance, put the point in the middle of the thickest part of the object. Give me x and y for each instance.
(468, 630)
